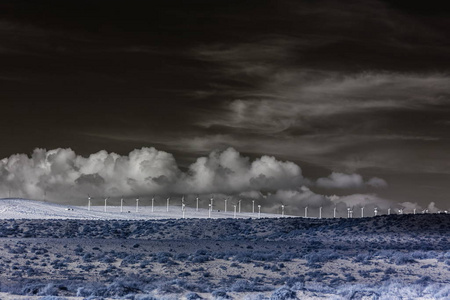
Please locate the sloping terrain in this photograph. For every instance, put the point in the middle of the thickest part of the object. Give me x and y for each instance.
(31, 209)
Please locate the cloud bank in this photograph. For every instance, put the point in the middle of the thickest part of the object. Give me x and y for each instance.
(63, 173)
(60, 175)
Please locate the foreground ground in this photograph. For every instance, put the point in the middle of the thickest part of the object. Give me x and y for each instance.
(403, 256)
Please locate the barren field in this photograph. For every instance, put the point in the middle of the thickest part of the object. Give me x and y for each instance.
(383, 257)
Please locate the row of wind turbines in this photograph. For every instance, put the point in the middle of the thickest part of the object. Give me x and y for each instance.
(237, 208)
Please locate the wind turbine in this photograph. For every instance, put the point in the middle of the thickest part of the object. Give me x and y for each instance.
(389, 211)
(306, 211)
(253, 206)
(89, 202)
(137, 204)
(320, 212)
(239, 202)
(234, 205)
(121, 204)
(348, 212)
(334, 212)
(226, 200)
(282, 210)
(106, 199)
(183, 208)
(414, 211)
(259, 211)
(153, 202)
(351, 213)
(168, 199)
(362, 212)
(375, 211)
(182, 202)
(209, 210)
(197, 203)
(212, 202)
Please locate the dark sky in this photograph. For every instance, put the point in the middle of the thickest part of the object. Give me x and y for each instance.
(334, 86)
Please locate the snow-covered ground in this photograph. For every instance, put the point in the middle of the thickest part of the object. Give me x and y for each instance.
(33, 209)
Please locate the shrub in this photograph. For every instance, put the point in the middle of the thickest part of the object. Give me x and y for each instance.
(144, 297)
(192, 296)
(242, 285)
(107, 259)
(32, 289)
(123, 286)
(390, 271)
(283, 293)
(171, 287)
(424, 280)
(200, 259)
(357, 292)
(320, 257)
(403, 259)
(220, 294)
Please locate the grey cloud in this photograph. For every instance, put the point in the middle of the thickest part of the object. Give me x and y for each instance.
(348, 181)
(90, 179)
(377, 182)
(340, 180)
(228, 171)
(300, 103)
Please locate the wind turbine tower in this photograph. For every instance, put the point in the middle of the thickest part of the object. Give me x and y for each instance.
(282, 210)
(362, 212)
(334, 212)
(414, 211)
(226, 200)
(182, 202)
(121, 204)
(209, 210)
(168, 199)
(253, 206)
(239, 205)
(89, 202)
(259, 211)
(183, 208)
(375, 211)
(153, 202)
(306, 211)
(137, 204)
(348, 212)
(212, 202)
(106, 199)
(234, 210)
(197, 203)
(389, 211)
